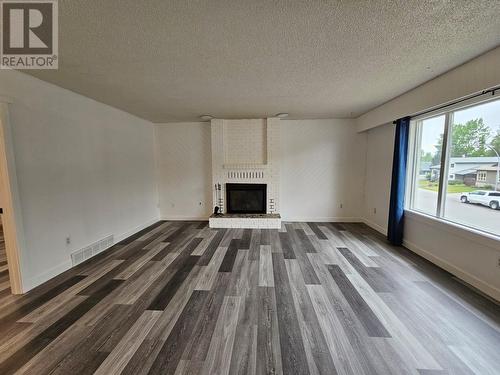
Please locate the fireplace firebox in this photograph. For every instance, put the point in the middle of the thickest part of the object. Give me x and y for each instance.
(246, 198)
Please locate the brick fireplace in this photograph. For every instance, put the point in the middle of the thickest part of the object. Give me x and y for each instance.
(246, 152)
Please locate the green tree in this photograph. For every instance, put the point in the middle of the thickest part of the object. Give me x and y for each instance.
(469, 139)
(426, 156)
(436, 158)
(495, 143)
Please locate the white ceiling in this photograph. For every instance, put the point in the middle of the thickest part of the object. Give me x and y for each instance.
(175, 60)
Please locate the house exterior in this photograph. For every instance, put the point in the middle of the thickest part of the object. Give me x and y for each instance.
(486, 176)
(466, 169)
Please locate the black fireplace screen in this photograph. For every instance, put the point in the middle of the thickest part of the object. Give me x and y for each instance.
(246, 198)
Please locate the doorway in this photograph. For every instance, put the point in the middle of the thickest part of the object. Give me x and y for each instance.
(11, 227)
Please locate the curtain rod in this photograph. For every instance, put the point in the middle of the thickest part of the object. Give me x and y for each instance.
(484, 92)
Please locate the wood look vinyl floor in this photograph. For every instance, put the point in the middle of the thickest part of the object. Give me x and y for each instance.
(4, 270)
(311, 298)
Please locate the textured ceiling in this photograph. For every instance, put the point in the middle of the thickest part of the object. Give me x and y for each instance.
(175, 60)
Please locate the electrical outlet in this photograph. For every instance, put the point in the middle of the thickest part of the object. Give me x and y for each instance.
(200, 203)
(68, 240)
(374, 210)
(341, 205)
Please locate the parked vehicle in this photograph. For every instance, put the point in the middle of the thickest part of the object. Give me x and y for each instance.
(484, 197)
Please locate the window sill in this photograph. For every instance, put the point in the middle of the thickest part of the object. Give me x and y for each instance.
(483, 238)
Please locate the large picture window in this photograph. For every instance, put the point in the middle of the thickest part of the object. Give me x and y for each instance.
(455, 165)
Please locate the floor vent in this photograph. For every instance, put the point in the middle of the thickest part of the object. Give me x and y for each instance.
(87, 252)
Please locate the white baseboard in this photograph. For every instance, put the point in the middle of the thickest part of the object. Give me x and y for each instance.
(132, 231)
(35, 281)
(377, 227)
(484, 287)
(324, 219)
(184, 218)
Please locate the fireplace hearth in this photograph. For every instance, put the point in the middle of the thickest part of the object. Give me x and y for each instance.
(246, 198)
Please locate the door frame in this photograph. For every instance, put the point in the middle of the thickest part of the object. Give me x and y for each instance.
(11, 219)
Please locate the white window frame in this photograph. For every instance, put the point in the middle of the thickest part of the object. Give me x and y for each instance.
(482, 176)
(413, 161)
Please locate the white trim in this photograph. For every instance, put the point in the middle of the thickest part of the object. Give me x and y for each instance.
(130, 232)
(184, 218)
(375, 226)
(472, 102)
(324, 219)
(37, 280)
(484, 287)
(467, 233)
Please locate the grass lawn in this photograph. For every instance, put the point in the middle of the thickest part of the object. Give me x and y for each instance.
(433, 186)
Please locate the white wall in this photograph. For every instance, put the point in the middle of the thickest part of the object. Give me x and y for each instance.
(469, 256)
(322, 167)
(84, 170)
(474, 76)
(379, 154)
(184, 169)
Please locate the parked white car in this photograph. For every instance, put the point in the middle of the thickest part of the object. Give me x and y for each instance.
(484, 197)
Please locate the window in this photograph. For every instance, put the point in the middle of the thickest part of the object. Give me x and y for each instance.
(429, 144)
(462, 145)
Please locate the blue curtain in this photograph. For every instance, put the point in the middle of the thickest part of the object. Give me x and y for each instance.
(396, 210)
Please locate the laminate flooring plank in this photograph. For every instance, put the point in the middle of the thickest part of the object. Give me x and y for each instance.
(266, 266)
(163, 299)
(291, 342)
(221, 347)
(366, 354)
(145, 355)
(255, 245)
(212, 247)
(307, 269)
(8, 320)
(205, 242)
(245, 239)
(372, 275)
(317, 231)
(306, 243)
(42, 340)
(199, 344)
(139, 263)
(210, 271)
(317, 298)
(265, 237)
(268, 334)
(230, 256)
(410, 347)
(340, 348)
(62, 298)
(286, 246)
(244, 356)
(372, 325)
(170, 354)
(319, 358)
(116, 361)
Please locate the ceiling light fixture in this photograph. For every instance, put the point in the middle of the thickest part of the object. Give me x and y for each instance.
(282, 115)
(206, 117)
